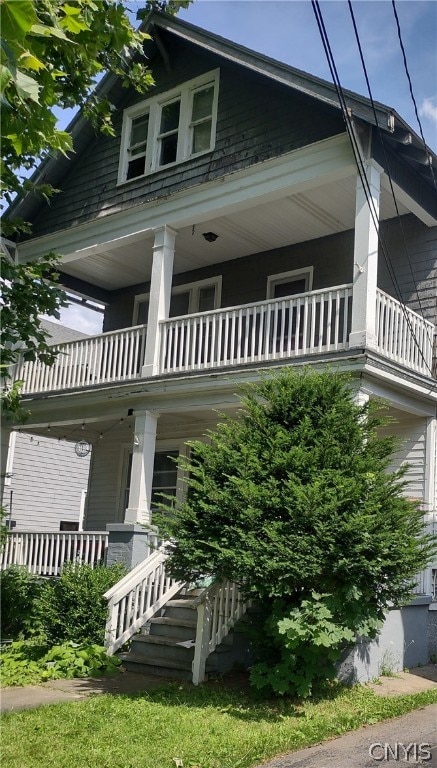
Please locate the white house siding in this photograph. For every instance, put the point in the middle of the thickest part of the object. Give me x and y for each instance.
(103, 500)
(47, 483)
(411, 431)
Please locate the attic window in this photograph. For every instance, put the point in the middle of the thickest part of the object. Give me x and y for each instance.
(169, 128)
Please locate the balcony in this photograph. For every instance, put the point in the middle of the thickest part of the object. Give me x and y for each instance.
(316, 322)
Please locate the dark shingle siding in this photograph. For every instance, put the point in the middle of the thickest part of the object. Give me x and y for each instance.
(245, 280)
(257, 120)
(418, 269)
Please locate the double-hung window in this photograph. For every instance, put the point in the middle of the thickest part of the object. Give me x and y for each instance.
(169, 128)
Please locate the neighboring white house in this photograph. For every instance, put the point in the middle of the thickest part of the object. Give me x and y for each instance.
(229, 228)
(46, 482)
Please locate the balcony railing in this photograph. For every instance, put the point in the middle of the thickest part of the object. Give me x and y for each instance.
(44, 553)
(309, 323)
(317, 322)
(403, 335)
(115, 356)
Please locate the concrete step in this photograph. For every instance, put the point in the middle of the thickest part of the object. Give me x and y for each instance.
(151, 665)
(184, 614)
(182, 602)
(161, 647)
(168, 627)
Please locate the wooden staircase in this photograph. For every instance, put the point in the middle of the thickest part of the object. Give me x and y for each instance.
(173, 631)
(166, 644)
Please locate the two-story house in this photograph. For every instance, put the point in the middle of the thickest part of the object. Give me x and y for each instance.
(229, 228)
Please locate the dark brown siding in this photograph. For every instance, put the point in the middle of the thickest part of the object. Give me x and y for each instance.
(257, 120)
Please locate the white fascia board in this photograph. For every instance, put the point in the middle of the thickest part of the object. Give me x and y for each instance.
(297, 171)
(405, 394)
(413, 206)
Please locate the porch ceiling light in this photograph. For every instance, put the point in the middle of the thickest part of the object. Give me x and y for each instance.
(210, 237)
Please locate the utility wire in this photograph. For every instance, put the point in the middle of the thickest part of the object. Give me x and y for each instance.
(385, 156)
(360, 165)
(407, 72)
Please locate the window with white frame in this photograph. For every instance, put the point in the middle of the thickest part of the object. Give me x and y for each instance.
(169, 128)
(200, 296)
(168, 476)
(290, 283)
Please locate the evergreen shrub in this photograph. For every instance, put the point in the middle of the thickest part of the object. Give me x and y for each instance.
(72, 607)
(294, 500)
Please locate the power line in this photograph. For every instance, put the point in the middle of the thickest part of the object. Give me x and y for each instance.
(360, 164)
(385, 153)
(407, 72)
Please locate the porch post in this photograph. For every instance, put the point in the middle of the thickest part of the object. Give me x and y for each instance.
(363, 330)
(160, 292)
(7, 450)
(143, 456)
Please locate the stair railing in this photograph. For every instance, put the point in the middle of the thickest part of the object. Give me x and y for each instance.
(219, 607)
(137, 597)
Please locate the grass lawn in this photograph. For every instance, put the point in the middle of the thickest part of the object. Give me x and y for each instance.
(207, 727)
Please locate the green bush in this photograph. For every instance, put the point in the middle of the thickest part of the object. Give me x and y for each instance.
(295, 499)
(72, 608)
(19, 592)
(27, 663)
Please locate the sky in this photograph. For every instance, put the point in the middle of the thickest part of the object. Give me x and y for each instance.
(287, 30)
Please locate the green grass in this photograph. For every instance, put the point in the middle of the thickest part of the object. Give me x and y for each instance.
(207, 727)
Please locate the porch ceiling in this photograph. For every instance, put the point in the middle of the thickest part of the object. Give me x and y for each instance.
(176, 425)
(319, 212)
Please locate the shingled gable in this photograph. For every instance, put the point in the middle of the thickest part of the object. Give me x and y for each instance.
(166, 51)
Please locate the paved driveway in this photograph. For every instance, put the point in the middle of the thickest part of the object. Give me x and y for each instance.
(380, 745)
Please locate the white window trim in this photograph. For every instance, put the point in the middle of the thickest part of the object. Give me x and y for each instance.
(160, 447)
(194, 290)
(153, 107)
(286, 277)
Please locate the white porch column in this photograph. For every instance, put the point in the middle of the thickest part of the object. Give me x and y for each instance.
(6, 455)
(160, 293)
(143, 456)
(363, 330)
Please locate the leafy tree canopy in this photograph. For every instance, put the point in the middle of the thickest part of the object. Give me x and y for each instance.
(51, 53)
(294, 501)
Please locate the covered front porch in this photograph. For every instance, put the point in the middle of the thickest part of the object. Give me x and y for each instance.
(283, 262)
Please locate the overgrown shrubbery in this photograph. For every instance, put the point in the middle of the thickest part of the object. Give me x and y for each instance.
(72, 608)
(294, 501)
(58, 624)
(19, 594)
(28, 662)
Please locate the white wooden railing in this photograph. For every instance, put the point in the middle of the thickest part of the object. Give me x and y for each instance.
(219, 608)
(44, 554)
(137, 597)
(308, 323)
(114, 356)
(403, 335)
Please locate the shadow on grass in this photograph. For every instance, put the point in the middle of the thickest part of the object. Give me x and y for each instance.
(229, 695)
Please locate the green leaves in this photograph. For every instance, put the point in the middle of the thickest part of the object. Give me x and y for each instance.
(24, 663)
(17, 18)
(27, 291)
(51, 54)
(293, 500)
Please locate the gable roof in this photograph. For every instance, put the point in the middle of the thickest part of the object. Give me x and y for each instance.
(59, 334)
(395, 130)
